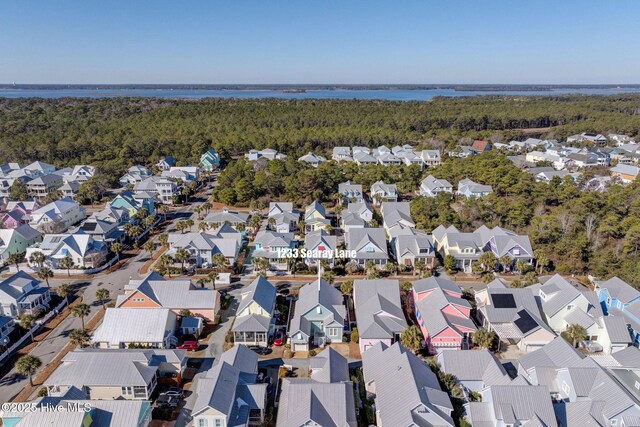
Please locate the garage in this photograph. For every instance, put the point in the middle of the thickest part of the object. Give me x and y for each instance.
(300, 347)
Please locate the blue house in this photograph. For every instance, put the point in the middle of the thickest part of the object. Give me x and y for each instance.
(210, 160)
(133, 202)
(618, 298)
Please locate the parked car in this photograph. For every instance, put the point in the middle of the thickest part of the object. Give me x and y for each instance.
(278, 340)
(166, 401)
(174, 391)
(189, 345)
(260, 350)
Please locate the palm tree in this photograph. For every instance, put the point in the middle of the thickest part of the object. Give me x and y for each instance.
(16, 259)
(116, 248)
(488, 261)
(542, 260)
(506, 261)
(202, 282)
(37, 258)
(219, 260)
(79, 337)
(81, 310)
(411, 338)
(419, 266)
(346, 287)
(574, 333)
(163, 264)
(149, 247)
(66, 263)
(213, 276)
(203, 226)
(182, 255)
(102, 295)
(271, 222)
(149, 221)
(28, 365)
(163, 239)
(483, 337)
(64, 291)
(26, 321)
(352, 267)
(44, 273)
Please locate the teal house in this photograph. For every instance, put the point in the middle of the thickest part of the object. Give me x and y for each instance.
(210, 160)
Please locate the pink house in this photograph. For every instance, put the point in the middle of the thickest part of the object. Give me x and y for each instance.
(443, 316)
(18, 213)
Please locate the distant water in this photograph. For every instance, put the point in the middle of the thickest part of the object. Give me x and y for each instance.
(387, 94)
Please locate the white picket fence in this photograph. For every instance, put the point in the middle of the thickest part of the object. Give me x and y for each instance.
(72, 272)
(34, 329)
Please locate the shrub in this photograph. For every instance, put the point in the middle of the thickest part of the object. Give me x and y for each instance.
(354, 335)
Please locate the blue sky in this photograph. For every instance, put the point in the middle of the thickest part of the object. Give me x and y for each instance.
(348, 41)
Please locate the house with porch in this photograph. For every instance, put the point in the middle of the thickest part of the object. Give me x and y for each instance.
(563, 305)
(20, 293)
(443, 316)
(272, 246)
(186, 174)
(431, 187)
(18, 213)
(319, 317)
(83, 249)
(202, 247)
(396, 218)
(130, 327)
(229, 393)
(381, 192)
(466, 248)
(154, 291)
(235, 218)
(379, 312)
(413, 245)
(430, 158)
(17, 240)
(351, 193)
(369, 244)
(513, 314)
(320, 242)
(312, 159)
(210, 160)
(357, 215)
(64, 211)
(135, 174)
(41, 186)
(315, 218)
(166, 163)
(161, 189)
(132, 202)
(123, 374)
(468, 188)
(283, 216)
(254, 318)
(620, 299)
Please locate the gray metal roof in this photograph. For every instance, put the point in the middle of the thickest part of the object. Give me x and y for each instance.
(474, 365)
(556, 354)
(134, 325)
(629, 357)
(521, 403)
(260, 291)
(310, 296)
(91, 367)
(433, 282)
(329, 367)
(420, 402)
(174, 294)
(617, 329)
(305, 401)
(619, 289)
(378, 308)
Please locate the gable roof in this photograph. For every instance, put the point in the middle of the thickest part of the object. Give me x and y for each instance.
(619, 289)
(261, 292)
(137, 325)
(310, 296)
(421, 401)
(474, 365)
(378, 308)
(329, 367)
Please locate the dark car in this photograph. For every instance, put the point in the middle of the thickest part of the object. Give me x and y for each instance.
(166, 401)
(174, 391)
(260, 350)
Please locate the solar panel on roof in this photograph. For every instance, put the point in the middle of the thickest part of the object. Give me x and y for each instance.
(89, 226)
(525, 322)
(503, 301)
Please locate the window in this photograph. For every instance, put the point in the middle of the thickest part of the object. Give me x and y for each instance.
(202, 422)
(565, 388)
(218, 422)
(319, 310)
(127, 391)
(569, 307)
(637, 385)
(138, 299)
(369, 249)
(614, 422)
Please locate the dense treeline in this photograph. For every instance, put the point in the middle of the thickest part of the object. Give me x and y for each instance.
(578, 231)
(115, 133)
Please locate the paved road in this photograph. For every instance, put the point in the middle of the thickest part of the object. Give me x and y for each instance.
(46, 350)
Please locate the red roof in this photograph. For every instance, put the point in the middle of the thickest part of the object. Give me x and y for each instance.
(480, 145)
